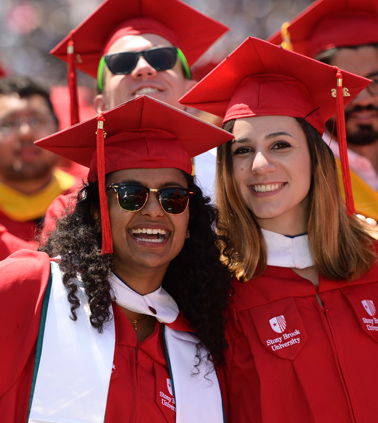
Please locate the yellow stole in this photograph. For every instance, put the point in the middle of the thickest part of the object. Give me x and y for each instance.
(365, 197)
(22, 207)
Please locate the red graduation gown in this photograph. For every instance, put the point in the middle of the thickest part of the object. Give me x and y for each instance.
(25, 231)
(56, 210)
(292, 360)
(10, 243)
(139, 387)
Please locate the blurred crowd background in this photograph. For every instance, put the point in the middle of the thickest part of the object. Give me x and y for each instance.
(30, 28)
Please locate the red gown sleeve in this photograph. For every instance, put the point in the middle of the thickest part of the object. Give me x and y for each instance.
(23, 280)
(10, 243)
(56, 210)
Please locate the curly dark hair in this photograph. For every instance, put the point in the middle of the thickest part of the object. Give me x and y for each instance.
(196, 279)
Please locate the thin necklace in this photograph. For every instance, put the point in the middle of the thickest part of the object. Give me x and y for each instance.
(135, 321)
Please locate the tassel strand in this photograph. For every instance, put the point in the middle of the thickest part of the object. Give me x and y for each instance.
(107, 240)
(341, 138)
(72, 83)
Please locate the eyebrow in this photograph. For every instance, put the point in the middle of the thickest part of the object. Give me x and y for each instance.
(267, 137)
(278, 134)
(166, 184)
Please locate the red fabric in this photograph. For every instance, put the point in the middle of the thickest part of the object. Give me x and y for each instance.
(323, 372)
(262, 79)
(107, 240)
(138, 389)
(72, 84)
(326, 24)
(21, 297)
(142, 25)
(343, 148)
(257, 95)
(60, 98)
(56, 210)
(26, 231)
(79, 172)
(10, 243)
(2, 71)
(154, 135)
(194, 31)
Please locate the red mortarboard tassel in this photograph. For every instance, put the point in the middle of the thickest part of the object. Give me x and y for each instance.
(107, 240)
(72, 84)
(341, 138)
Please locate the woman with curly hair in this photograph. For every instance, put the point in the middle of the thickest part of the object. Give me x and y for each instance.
(302, 326)
(100, 325)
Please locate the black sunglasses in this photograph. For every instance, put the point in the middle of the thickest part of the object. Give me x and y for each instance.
(160, 58)
(133, 197)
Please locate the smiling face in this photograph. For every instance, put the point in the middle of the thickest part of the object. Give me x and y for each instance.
(25, 120)
(272, 171)
(167, 86)
(146, 241)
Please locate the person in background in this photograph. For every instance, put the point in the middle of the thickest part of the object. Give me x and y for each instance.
(29, 179)
(135, 47)
(60, 98)
(128, 278)
(345, 34)
(302, 326)
(8, 242)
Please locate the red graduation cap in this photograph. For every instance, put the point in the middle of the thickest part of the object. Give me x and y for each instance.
(330, 23)
(183, 26)
(262, 79)
(141, 133)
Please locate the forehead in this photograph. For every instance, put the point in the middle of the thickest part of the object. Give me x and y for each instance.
(137, 43)
(261, 126)
(151, 178)
(362, 61)
(12, 104)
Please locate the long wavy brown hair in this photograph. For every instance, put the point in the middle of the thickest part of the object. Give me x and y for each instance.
(341, 245)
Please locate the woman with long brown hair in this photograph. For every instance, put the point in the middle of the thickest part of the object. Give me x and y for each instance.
(301, 325)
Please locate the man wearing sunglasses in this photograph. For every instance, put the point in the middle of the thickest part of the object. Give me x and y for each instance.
(345, 34)
(161, 72)
(136, 47)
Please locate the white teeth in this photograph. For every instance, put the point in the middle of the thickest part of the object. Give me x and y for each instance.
(149, 231)
(266, 188)
(158, 240)
(146, 90)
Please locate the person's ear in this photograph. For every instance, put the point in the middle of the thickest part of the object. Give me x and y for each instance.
(99, 103)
